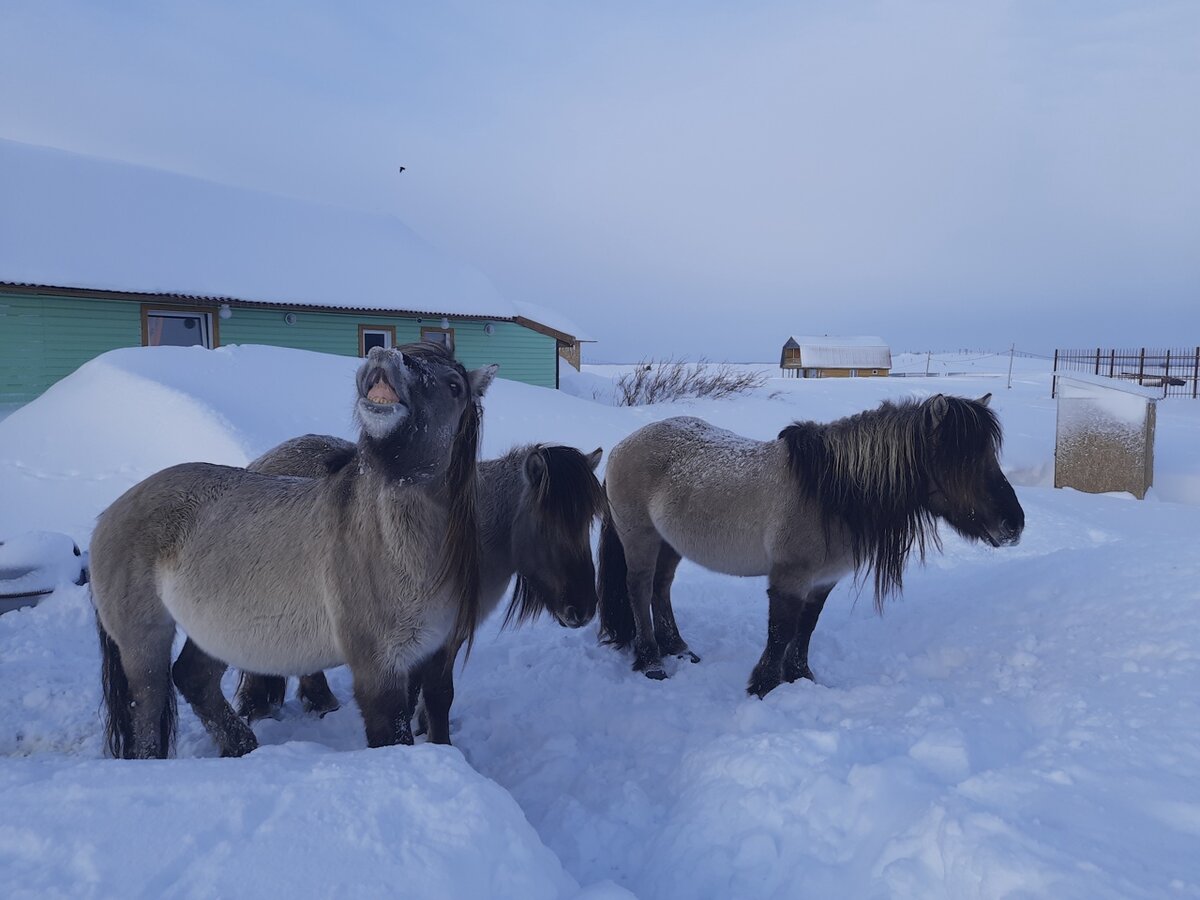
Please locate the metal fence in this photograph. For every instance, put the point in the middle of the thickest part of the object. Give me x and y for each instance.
(1175, 372)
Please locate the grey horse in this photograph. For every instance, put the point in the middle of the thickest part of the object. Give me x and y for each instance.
(377, 566)
(807, 509)
(536, 506)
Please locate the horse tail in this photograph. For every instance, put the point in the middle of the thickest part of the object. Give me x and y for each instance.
(616, 611)
(118, 721)
(118, 702)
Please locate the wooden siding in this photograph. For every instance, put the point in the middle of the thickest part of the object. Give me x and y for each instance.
(44, 338)
(523, 354)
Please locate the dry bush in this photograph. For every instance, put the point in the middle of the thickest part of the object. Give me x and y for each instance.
(659, 381)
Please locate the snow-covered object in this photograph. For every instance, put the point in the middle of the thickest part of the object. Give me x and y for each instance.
(75, 221)
(34, 563)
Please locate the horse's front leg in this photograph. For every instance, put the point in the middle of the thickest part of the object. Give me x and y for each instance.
(198, 677)
(795, 660)
(783, 619)
(316, 694)
(382, 695)
(640, 583)
(437, 692)
(666, 632)
(259, 696)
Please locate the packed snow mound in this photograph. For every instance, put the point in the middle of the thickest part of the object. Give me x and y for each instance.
(131, 412)
(293, 821)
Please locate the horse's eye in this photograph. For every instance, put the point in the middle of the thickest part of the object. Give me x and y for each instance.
(455, 388)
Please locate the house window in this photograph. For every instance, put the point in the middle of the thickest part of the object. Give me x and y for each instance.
(443, 336)
(177, 327)
(371, 336)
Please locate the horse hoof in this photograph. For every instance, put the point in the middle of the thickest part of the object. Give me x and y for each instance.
(760, 689)
(689, 656)
(320, 710)
(239, 746)
(656, 674)
(255, 714)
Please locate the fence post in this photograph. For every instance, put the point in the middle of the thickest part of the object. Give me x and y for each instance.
(1054, 373)
(1097, 372)
(1196, 374)
(1112, 363)
(1167, 375)
(1142, 368)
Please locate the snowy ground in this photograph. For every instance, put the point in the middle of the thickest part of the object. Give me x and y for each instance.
(1025, 722)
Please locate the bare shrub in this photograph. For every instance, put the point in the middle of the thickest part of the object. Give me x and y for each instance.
(659, 381)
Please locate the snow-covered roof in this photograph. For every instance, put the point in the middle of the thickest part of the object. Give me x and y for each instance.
(75, 221)
(551, 318)
(841, 351)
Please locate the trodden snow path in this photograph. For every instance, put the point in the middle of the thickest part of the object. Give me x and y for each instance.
(1024, 722)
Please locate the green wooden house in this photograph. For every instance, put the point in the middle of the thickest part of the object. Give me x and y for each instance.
(97, 255)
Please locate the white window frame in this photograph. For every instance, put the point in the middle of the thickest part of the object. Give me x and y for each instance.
(207, 331)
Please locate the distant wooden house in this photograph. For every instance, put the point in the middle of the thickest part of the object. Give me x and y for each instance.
(835, 357)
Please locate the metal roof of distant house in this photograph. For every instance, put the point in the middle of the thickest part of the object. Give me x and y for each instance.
(73, 221)
(841, 352)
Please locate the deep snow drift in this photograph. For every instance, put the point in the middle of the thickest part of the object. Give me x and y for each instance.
(1025, 722)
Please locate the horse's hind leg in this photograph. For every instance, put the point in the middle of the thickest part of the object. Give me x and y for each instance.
(783, 620)
(136, 634)
(151, 698)
(795, 660)
(198, 677)
(666, 632)
(316, 695)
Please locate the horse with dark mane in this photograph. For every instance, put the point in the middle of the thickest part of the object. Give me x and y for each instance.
(821, 501)
(376, 566)
(536, 506)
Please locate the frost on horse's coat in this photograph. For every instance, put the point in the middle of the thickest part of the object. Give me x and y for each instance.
(817, 503)
(376, 566)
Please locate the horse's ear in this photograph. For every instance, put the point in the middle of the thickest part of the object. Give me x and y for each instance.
(593, 458)
(479, 379)
(986, 399)
(938, 406)
(535, 467)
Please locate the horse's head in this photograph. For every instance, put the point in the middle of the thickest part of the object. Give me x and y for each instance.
(551, 536)
(419, 409)
(965, 485)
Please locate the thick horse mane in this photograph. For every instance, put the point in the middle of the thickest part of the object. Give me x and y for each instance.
(459, 566)
(568, 497)
(871, 472)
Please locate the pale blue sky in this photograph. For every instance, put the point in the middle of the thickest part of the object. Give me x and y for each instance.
(693, 178)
